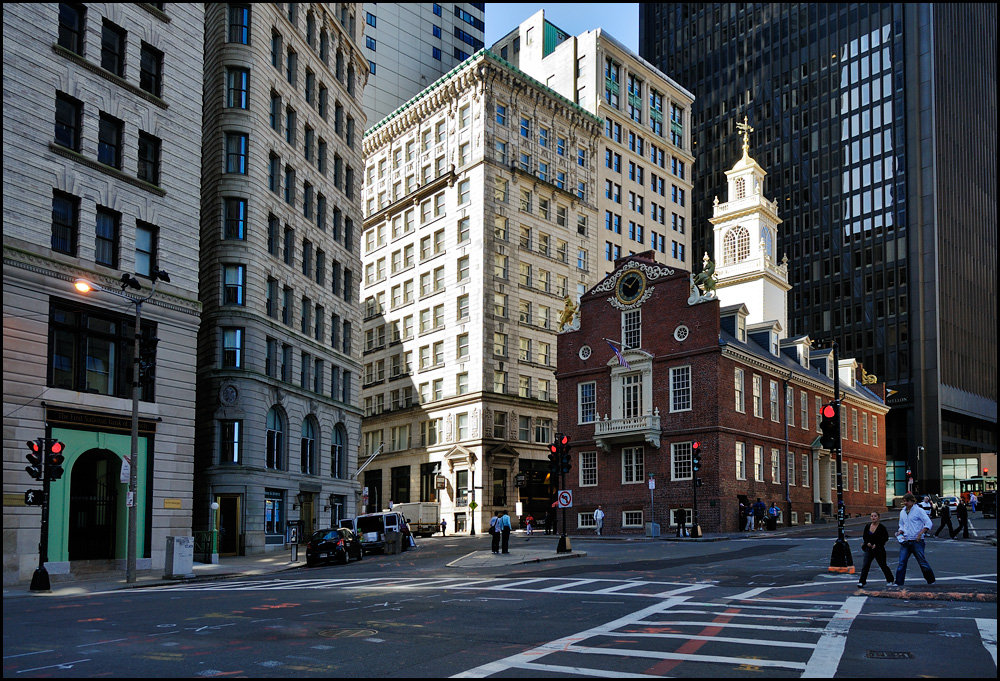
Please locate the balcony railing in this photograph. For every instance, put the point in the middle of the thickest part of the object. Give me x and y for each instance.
(617, 431)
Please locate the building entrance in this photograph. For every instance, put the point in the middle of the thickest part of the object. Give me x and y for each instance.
(230, 525)
(93, 506)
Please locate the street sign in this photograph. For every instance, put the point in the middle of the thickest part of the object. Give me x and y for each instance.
(33, 497)
(652, 483)
(519, 480)
(440, 482)
(473, 505)
(565, 498)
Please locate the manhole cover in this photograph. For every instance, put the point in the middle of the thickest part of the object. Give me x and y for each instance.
(347, 633)
(888, 655)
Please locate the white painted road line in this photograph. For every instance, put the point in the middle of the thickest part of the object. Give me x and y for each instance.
(830, 649)
(988, 632)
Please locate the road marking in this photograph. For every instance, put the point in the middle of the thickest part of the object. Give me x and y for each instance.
(988, 632)
(63, 665)
(830, 649)
(37, 652)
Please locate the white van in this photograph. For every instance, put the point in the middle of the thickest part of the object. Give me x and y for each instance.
(372, 528)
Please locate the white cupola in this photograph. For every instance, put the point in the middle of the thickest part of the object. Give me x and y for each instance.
(746, 239)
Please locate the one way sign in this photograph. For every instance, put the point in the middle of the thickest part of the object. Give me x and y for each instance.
(33, 497)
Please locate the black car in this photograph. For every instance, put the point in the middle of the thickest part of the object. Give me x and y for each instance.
(334, 544)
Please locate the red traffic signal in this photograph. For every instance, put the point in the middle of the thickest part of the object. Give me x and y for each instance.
(34, 457)
(829, 411)
(696, 446)
(564, 440)
(54, 459)
(55, 447)
(554, 448)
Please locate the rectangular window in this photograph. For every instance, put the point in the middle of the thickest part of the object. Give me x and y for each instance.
(741, 461)
(237, 144)
(65, 222)
(790, 473)
(113, 48)
(633, 470)
(740, 406)
(145, 249)
(775, 469)
(680, 461)
(149, 158)
(109, 141)
(71, 26)
(229, 441)
(232, 348)
(239, 24)
(758, 398)
(758, 463)
(588, 469)
(775, 415)
(680, 389)
(233, 277)
(69, 121)
(235, 218)
(237, 88)
(107, 237)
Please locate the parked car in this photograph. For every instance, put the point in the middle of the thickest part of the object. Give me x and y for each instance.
(333, 544)
(952, 503)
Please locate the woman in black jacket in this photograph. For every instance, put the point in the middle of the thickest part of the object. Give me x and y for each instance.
(874, 547)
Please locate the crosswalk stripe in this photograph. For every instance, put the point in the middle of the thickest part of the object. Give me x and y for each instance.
(718, 659)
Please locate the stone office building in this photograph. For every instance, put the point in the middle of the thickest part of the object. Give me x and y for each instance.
(278, 422)
(480, 213)
(100, 177)
(713, 365)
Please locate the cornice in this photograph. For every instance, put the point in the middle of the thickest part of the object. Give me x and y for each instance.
(56, 269)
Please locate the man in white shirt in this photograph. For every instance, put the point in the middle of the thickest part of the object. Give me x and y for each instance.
(913, 525)
(599, 519)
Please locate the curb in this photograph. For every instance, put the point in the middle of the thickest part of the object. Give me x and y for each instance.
(930, 596)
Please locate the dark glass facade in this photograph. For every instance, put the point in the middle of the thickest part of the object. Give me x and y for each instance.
(877, 126)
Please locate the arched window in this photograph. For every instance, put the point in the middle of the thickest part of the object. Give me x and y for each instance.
(275, 439)
(741, 188)
(308, 450)
(338, 452)
(736, 245)
(768, 239)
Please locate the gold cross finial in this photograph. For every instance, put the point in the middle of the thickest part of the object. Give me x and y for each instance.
(746, 129)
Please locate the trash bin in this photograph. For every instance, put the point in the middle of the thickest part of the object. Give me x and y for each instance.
(653, 530)
(772, 522)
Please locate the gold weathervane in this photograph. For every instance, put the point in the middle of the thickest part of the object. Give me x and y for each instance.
(746, 129)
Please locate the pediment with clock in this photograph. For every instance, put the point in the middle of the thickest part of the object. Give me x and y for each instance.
(631, 285)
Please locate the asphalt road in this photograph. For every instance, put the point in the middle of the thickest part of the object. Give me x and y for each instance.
(760, 606)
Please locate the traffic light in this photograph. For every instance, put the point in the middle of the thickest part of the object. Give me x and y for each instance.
(54, 459)
(34, 457)
(696, 455)
(554, 458)
(830, 426)
(563, 442)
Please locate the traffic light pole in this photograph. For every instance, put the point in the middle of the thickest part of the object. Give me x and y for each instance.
(840, 559)
(40, 578)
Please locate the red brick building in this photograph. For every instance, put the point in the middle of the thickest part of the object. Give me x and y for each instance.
(698, 366)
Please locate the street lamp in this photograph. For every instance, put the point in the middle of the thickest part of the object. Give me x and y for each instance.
(129, 281)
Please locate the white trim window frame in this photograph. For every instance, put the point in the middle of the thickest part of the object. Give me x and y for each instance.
(633, 468)
(680, 389)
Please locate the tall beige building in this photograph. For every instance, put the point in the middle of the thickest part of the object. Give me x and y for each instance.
(479, 217)
(643, 192)
(278, 379)
(102, 136)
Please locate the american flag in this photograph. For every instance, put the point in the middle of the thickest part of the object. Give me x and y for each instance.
(618, 354)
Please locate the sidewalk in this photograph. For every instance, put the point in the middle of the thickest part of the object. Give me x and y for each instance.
(521, 552)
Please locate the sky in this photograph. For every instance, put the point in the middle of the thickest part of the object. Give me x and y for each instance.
(621, 20)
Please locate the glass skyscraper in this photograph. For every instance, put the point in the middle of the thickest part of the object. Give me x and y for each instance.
(877, 123)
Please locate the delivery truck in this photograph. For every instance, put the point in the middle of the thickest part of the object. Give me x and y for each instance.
(423, 517)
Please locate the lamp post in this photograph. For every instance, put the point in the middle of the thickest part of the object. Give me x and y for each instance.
(129, 281)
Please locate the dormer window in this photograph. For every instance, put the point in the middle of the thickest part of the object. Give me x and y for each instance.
(773, 335)
(741, 328)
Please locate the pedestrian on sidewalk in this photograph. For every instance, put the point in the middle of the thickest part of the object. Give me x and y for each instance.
(528, 522)
(973, 499)
(759, 510)
(875, 537)
(599, 519)
(495, 532)
(549, 520)
(963, 520)
(444, 525)
(504, 526)
(913, 525)
(945, 519)
(772, 516)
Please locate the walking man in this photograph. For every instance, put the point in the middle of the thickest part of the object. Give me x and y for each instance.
(972, 501)
(913, 525)
(945, 520)
(963, 520)
(599, 519)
